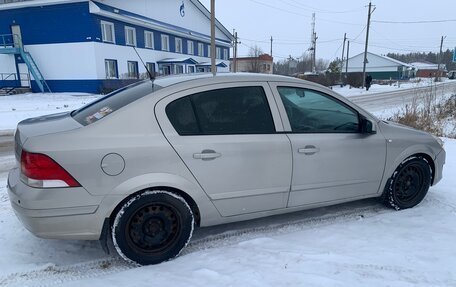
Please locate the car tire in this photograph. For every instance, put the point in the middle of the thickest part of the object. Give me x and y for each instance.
(409, 184)
(152, 227)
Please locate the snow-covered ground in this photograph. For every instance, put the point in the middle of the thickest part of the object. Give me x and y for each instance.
(355, 244)
(395, 86)
(14, 109)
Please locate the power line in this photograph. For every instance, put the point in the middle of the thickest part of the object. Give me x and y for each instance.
(300, 14)
(414, 22)
(314, 9)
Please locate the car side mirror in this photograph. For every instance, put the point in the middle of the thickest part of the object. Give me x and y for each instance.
(367, 126)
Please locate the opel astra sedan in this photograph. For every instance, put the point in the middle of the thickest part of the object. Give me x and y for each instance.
(146, 164)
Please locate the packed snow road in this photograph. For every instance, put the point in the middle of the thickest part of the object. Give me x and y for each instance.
(355, 244)
(378, 102)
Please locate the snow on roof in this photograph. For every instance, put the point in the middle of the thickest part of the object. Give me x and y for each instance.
(425, 66)
(392, 60)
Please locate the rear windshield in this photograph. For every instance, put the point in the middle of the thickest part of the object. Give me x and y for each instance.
(112, 102)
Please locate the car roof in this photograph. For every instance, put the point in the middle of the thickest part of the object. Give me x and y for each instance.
(225, 77)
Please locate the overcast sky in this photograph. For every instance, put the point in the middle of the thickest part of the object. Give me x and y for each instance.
(289, 23)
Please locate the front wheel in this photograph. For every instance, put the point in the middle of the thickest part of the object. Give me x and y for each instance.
(152, 227)
(409, 184)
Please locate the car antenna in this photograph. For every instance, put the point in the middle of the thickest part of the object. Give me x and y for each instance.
(151, 77)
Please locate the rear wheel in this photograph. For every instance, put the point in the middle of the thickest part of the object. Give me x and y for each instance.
(152, 227)
(409, 184)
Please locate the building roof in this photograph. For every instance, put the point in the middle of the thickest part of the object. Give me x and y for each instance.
(178, 61)
(427, 66)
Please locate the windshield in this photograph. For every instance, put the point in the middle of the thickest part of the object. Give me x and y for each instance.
(112, 102)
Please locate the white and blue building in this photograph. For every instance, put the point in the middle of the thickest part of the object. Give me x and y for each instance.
(89, 46)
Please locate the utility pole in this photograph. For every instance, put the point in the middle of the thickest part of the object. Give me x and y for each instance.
(271, 46)
(235, 50)
(369, 14)
(342, 59)
(440, 57)
(348, 54)
(213, 51)
(313, 48)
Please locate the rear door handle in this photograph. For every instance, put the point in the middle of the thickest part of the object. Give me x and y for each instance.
(309, 150)
(207, 154)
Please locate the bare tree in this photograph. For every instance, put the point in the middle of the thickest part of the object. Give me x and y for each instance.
(255, 65)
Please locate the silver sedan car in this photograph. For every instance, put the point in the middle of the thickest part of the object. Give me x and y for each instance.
(146, 164)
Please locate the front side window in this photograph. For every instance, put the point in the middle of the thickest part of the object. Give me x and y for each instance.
(130, 36)
(225, 54)
(165, 42)
(314, 112)
(149, 39)
(133, 70)
(208, 51)
(178, 42)
(240, 110)
(107, 32)
(111, 69)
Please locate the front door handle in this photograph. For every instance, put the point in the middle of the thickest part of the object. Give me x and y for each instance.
(309, 150)
(207, 154)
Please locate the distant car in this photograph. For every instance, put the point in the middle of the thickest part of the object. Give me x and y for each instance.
(148, 163)
(452, 75)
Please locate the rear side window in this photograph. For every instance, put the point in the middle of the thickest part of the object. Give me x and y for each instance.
(241, 110)
(110, 103)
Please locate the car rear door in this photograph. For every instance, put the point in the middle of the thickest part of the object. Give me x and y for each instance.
(332, 160)
(227, 135)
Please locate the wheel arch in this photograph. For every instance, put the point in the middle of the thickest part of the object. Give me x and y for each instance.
(190, 201)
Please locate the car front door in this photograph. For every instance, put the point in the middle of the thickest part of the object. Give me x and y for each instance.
(332, 159)
(227, 135)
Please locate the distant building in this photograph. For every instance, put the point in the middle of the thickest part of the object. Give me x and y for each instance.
(88, 46)
(379, 67)
(262, 64)
(429, 70)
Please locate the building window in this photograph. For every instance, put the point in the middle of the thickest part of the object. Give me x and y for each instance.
(201, 49)
(133, 70)
(225, 54)
(107, 32)
(130, 36)
(191, 69)
(111, 69)
(178, 42)
(190, 48)
(208, 51)
(179, 69)
(151, 68)
(218, 53)
(149, 39)
(165, 42)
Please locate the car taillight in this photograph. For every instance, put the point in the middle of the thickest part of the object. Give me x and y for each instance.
(39, 170)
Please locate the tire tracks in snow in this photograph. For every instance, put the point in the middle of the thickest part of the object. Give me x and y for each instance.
(53, 275)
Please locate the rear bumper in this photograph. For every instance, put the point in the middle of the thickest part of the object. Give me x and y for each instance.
(439, 162)
(60, 213)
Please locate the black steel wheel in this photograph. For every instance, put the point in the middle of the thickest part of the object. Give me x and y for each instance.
(409, 184)
(152, 227)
